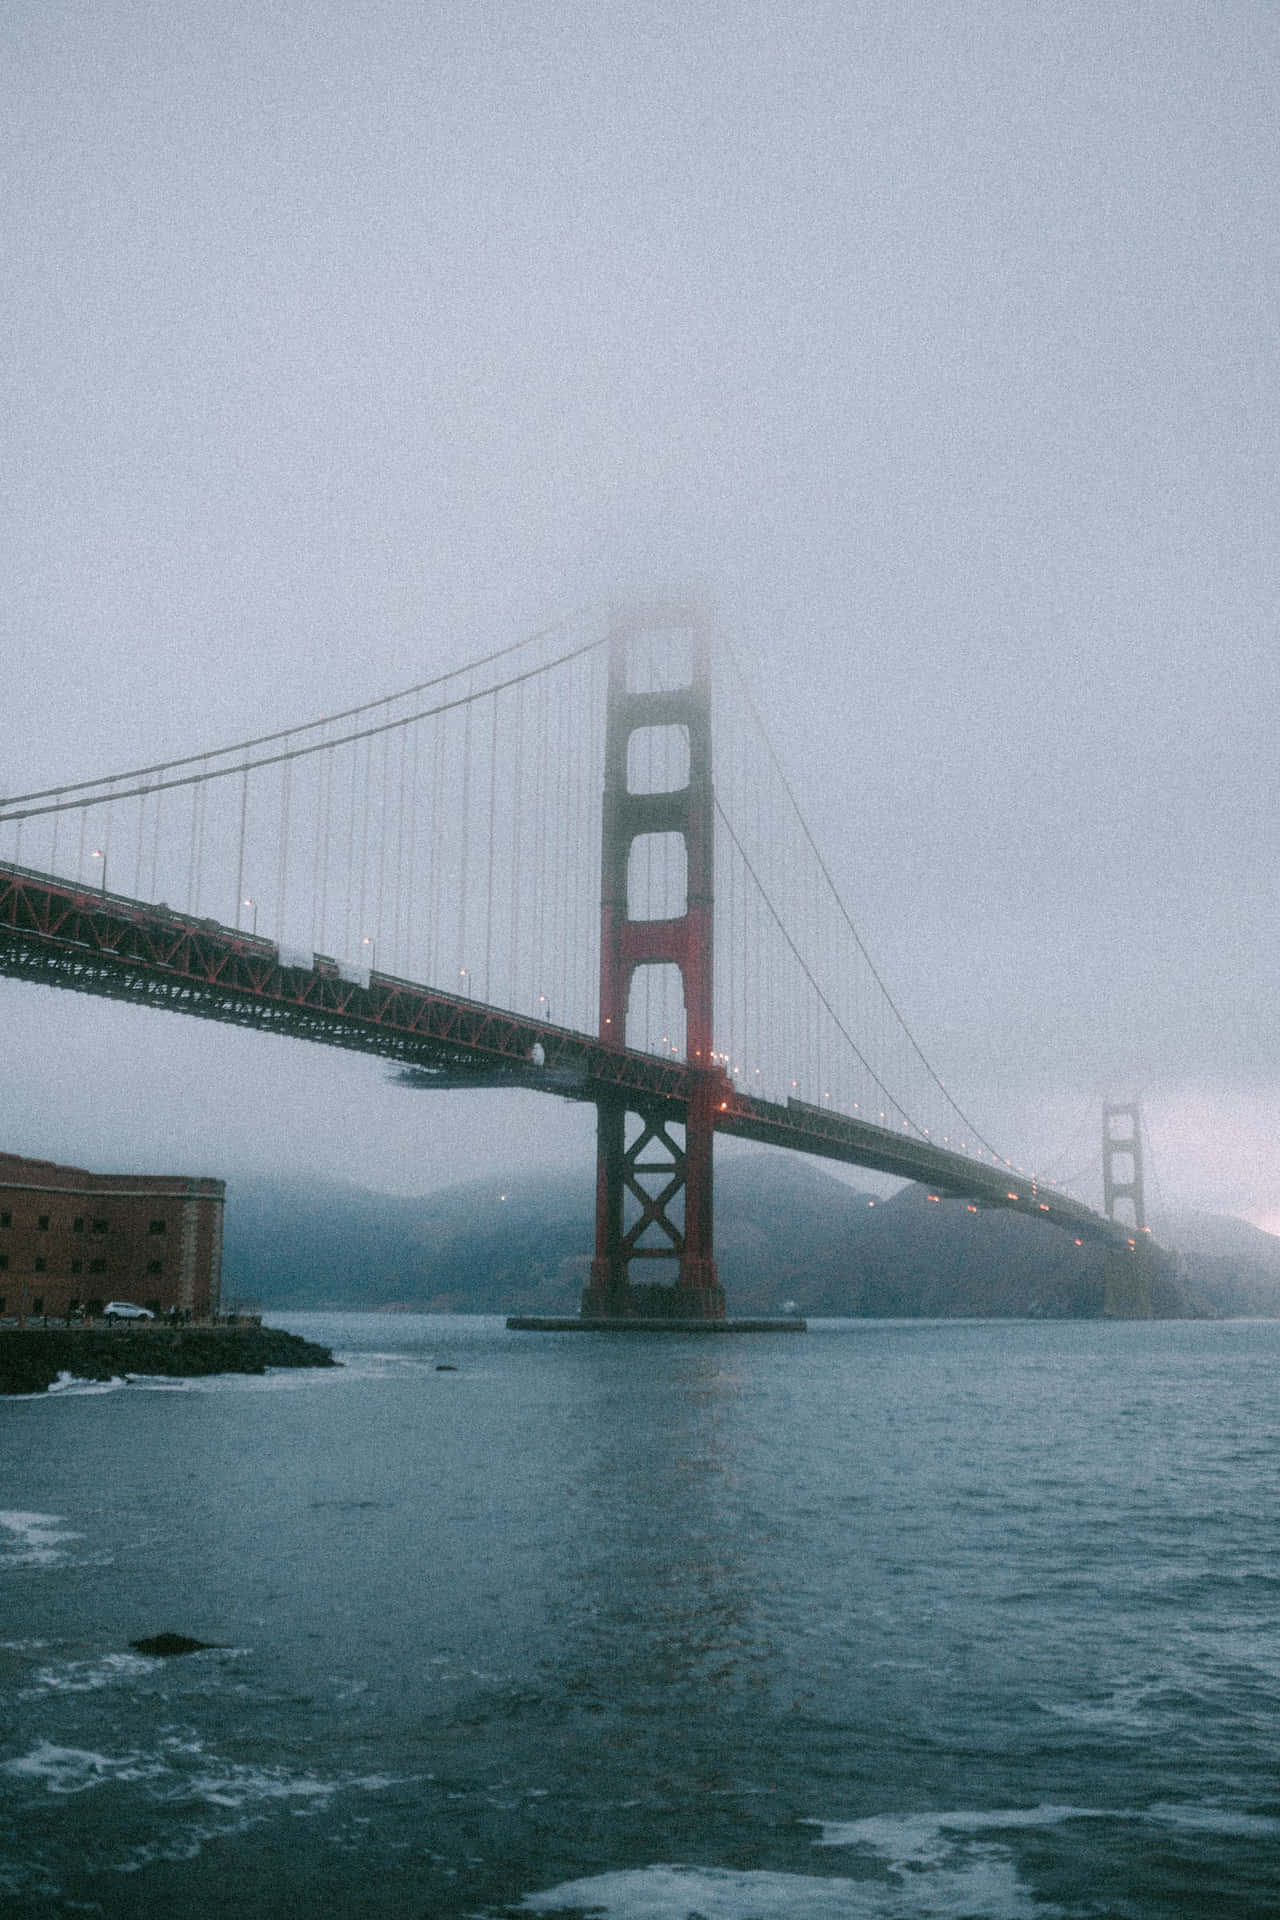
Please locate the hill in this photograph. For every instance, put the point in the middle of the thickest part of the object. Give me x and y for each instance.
(786, 1231)
(1234, 1265)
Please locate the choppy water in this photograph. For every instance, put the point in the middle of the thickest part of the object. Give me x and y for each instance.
(888, 1620)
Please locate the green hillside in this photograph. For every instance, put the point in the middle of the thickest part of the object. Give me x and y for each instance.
(787, 1231)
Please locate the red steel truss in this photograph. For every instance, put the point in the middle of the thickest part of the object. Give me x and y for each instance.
(56, 933)
(670, 1195)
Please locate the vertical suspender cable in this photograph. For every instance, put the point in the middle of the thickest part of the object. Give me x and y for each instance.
(155, 848)
(380, 828)
(202, 791)
(398, 903)
(463, 951)
(517, 876)
(282, 872)
(351, 847)
(411, 879)
(492, 850)
(244, 817)
(363, 869)
(435, 841)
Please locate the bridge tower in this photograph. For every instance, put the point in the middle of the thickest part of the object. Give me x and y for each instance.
(654, 1187)
(1121, 1181)
(1127, 1281)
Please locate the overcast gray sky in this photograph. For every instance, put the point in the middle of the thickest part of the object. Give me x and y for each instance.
(937, 342)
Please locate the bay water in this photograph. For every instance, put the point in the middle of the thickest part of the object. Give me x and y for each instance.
(887, 1619)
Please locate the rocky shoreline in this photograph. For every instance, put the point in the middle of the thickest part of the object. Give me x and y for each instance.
(32, 1358)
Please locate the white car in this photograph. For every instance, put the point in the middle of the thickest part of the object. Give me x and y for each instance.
(125, 1310)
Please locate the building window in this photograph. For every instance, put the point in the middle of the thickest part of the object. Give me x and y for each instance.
(77, 1225)
(37, 1305)
(41, 1265)
(4, 1262)
(6, 1219)
(1, 1303)
(155, 1266)
(97, 1266)
(43, 1223)
(77, 1266)
(156, 1226)
(99, 1226)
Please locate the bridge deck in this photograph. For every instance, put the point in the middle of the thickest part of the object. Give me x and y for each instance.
(57, 933)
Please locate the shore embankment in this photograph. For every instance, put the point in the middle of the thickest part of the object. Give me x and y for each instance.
(32, 1358)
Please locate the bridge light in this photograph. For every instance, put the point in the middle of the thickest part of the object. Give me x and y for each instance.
(724, 1106)
(1044, 1206)
(1079, 1243)
(1012, 1196)
(934, 1198)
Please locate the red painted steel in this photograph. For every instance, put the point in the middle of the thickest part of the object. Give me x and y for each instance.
(684, 941)
(57, 933)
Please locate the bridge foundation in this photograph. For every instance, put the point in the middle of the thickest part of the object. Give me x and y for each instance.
(653, 1176)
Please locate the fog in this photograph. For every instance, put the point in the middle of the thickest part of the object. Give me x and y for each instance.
(935, 347)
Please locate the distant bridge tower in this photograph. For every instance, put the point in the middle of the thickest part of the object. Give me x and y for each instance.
(1127, 1270)
(1122, 1144)
(654, 1189)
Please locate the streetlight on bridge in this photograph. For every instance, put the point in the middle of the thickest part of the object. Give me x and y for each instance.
(247, 902)
(100, 853)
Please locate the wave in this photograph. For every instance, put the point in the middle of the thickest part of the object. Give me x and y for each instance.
(986, 1886)
(34, 1539)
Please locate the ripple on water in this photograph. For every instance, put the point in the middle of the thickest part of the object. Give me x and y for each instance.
(33, 1539)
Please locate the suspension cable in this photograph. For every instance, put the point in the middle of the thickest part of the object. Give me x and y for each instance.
(305, 726)
(776, 917)
(293, 753)
(919, 1052)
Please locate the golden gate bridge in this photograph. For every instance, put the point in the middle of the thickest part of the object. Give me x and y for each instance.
(575, 865)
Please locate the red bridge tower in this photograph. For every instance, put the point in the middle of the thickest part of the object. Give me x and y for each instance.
(653, 1187)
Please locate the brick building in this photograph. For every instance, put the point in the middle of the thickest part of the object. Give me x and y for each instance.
(70, 1238)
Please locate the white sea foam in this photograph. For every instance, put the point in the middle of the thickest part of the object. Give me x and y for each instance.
(33, 1539)
(89, 1676)
(1242, 1826)
(180, 1770)
(911, 1840)
(932, 1857)
(981, 1885)
(71, 1384)
(66, 1770)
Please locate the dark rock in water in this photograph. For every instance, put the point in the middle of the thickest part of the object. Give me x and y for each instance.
(443, 1366)
(170, 1643)
(31, 1358)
